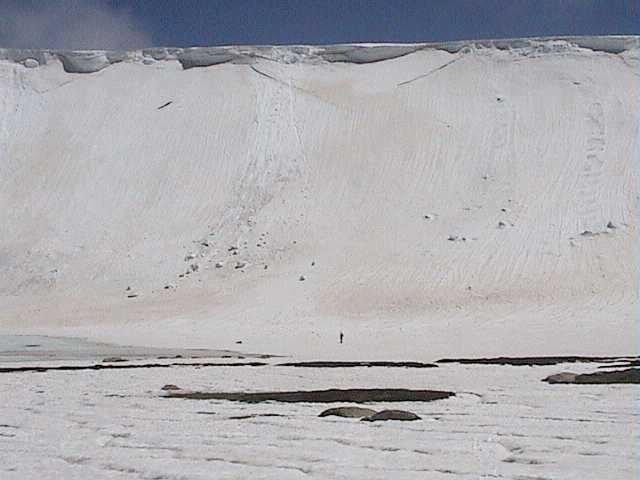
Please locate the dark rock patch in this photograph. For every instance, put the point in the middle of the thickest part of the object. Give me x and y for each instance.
(357, 395)
(170, 387)
(348, 412)
(322, 364)
(384, 415)
(113, 359)
(629, 375)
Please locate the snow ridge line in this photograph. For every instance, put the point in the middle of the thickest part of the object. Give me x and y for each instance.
(91, 61)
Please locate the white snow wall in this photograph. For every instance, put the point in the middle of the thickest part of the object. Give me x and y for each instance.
(513, 153)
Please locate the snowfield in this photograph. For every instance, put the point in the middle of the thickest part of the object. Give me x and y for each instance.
(503, 424)
(467, 199)
(451, 200)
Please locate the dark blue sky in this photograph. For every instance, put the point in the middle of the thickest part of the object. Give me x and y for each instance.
(209, 22)
(110, 23)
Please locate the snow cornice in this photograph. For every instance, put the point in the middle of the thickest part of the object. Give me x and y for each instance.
(89, 61)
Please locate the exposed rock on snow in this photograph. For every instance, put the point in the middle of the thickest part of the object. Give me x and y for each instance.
(391, 415)
(564, 377)
(114, 359)
(348, 412)
(630, 375)
(170, 387)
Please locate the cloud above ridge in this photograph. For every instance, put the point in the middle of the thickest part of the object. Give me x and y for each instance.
(70, 24)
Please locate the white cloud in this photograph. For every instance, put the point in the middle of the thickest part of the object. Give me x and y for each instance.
(70, 24)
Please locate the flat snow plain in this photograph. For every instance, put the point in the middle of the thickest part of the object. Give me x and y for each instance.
(504, 423)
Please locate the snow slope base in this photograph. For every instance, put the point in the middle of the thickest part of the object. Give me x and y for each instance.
(321, 163)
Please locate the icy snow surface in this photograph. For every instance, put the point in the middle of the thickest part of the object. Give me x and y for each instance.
(504, 424)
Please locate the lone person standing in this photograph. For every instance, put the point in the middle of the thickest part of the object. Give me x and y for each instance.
(341, 337)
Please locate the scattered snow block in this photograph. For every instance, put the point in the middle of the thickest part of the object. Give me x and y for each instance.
(391, 415)
(161, 53)
(611, 226)
(501, 224)
(348, 412)
(204, 57)
(240, 265)
(83, 62)
(22, 55)
(116, 56)
(31, 63)
(365, 53)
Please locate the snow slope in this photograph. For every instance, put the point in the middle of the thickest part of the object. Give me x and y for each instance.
(322, 163)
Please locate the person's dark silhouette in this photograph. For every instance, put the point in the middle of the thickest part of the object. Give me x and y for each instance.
(341, 337)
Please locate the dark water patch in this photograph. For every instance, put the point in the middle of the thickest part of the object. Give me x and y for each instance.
(626, 364)
(326, 364)
(535, 361)
(256, 415)
(356, 395)
(67, 368)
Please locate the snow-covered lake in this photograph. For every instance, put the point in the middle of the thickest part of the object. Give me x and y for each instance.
(503, 423)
